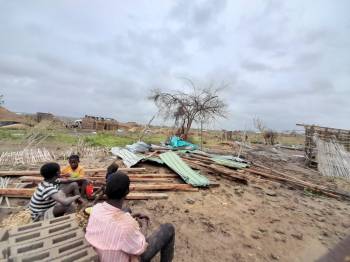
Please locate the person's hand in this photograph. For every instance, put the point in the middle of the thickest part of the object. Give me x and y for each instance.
(79, 200)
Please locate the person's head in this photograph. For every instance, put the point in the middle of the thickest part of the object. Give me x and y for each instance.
(117, 186)
(50, 170)
(112, 168)
(73, 161)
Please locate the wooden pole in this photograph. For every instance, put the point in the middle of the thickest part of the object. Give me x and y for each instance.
(300, 184)
(94, 170)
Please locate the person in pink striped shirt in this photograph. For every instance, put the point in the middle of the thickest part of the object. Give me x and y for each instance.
(116, 235)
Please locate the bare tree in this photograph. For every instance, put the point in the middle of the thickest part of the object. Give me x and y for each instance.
(259, 124)
(200, 105)
(2, 100)
(269, 135)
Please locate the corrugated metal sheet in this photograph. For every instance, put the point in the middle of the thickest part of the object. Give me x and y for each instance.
(129, 159)
(154, 159)
(229, 163)
(191, 177)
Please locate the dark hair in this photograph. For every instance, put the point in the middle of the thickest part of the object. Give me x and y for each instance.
(117, 185)
(49, 170)
(74, 157)
(112, 168)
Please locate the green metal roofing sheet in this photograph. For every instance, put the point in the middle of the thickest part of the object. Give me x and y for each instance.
(191, 177)
(229, 163)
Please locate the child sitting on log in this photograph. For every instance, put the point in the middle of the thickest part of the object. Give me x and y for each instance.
(48, 200)
(75, 173)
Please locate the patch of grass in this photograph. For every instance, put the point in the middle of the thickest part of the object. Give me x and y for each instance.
(155, 138)
(311, 193)
(9, 134)
(108, 140)
(64, 138)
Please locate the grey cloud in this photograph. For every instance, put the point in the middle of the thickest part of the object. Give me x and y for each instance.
(255, 66)
(199, 13)
(309, 59)
(279, 63)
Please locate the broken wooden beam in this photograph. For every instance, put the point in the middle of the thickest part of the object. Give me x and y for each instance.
(87, 171)
(28, 192)
(218, 170)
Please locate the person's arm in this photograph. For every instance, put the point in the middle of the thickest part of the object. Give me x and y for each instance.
(133, 242)
(61, 198)
(69, 180)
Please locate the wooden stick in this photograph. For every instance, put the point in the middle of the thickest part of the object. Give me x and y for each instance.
(28, 192)
(95, 170)
(302, 185)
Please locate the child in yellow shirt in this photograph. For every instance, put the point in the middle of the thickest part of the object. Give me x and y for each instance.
(75, 173)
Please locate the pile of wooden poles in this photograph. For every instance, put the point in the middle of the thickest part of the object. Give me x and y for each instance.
(244, 175)
(143, 185)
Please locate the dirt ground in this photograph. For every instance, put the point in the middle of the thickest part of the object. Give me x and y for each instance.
(264, 221)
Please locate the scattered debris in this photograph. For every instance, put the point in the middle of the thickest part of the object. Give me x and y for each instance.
(190, 201)
(129, 159)
(297, 235)
(176, 142)
(270, 192)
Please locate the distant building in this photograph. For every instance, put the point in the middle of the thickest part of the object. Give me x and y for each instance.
(43, 116)
(99, 123)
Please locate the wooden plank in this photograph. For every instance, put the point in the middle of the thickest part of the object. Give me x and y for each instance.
(133, 178)
(146, 196)
(17, 192)
(170, 187)
(28, 192)
(150, 175)
(137, 179)
(95, 170)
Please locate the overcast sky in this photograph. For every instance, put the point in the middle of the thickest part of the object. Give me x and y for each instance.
(285, 61)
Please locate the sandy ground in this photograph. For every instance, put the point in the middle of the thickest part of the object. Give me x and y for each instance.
(264, 221)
